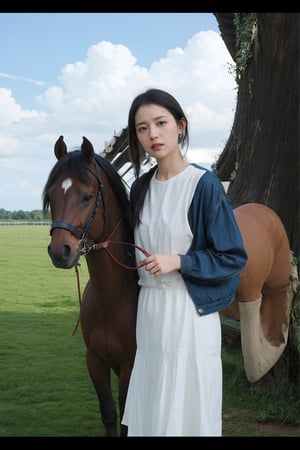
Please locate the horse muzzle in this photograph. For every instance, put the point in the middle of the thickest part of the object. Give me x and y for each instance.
(63, 255)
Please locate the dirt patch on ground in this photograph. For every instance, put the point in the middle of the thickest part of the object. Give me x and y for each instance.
(279, 430)
(260, 429)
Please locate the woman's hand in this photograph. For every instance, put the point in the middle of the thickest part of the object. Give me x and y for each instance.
(161, 263)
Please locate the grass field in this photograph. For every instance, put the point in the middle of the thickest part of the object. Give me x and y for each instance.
(45, 389)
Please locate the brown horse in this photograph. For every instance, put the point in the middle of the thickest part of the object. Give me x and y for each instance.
(266, 290)
(89, 209)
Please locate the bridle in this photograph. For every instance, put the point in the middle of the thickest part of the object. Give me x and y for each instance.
(82, 235)
(83, 246)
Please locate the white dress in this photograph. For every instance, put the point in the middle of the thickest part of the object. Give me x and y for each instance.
(176, 382)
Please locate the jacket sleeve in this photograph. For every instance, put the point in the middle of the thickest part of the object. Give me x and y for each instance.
(217, 252)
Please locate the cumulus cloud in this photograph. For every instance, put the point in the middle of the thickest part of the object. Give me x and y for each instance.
(92, 97)
(11, 112)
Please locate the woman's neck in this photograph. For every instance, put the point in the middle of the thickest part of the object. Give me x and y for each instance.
(169, 168)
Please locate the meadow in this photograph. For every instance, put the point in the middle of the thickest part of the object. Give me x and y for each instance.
(45, 389)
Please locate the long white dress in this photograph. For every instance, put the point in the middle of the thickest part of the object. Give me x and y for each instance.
(176, 382)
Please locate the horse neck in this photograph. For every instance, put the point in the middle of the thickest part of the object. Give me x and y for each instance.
(115, 236)
(115, 227)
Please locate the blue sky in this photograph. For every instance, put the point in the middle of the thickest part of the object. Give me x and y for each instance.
(76, 74)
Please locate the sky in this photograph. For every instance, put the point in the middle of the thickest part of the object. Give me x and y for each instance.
(76, 74)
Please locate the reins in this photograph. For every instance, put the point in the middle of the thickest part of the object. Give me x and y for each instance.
(86, 248)
(79, 297)
(104, 245)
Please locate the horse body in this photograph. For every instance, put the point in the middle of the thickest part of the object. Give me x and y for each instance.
(86, 209)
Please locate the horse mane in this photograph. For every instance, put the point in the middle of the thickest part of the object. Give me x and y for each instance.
(117, 186)
(73, 165)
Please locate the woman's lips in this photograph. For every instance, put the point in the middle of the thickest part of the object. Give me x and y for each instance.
(156, 146)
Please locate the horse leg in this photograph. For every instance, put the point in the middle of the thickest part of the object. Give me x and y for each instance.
(266, 321)
(100, 374)
(278, 297)
(123, 388)
(264, 306)
(264, 296)
(92, 326)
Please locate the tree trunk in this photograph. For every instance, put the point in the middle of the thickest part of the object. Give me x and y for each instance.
(261, 156)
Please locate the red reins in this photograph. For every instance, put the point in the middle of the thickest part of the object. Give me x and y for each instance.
(105, 244)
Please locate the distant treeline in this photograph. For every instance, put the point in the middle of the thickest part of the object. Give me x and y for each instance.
(35, 215)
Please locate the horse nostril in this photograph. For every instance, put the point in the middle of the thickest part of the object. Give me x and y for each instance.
(62, 253)
(63, 256)
(66, 250)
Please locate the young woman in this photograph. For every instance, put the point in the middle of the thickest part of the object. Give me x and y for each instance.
(183, 218)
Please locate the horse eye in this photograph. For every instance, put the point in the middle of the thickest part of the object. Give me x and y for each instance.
(87, 198)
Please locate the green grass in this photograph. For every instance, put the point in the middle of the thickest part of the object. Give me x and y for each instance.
(253, 410)
(45, 389)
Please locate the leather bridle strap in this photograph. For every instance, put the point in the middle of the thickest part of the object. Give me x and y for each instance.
(105, 245)
(67, 226)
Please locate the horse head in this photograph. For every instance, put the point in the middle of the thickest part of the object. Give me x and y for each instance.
(74, 193)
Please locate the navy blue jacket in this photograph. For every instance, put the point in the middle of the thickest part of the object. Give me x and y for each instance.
(211, 268)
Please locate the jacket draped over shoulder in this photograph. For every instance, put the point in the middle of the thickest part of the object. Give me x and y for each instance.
(211, 268)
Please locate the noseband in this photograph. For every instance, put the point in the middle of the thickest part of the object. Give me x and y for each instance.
(82, 235)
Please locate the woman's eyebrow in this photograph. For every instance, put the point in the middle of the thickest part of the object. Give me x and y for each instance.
(155, 118)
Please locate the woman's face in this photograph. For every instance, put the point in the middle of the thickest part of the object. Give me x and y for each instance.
(157, 130)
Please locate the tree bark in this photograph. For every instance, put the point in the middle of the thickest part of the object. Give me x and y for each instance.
(262, 152)
(261, 156)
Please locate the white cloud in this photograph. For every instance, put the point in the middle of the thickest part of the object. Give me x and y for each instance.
(10, 111)
(203, 156)
(92, 98)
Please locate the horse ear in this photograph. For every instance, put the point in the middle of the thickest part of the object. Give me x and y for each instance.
(60, 148)
(87, 150)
